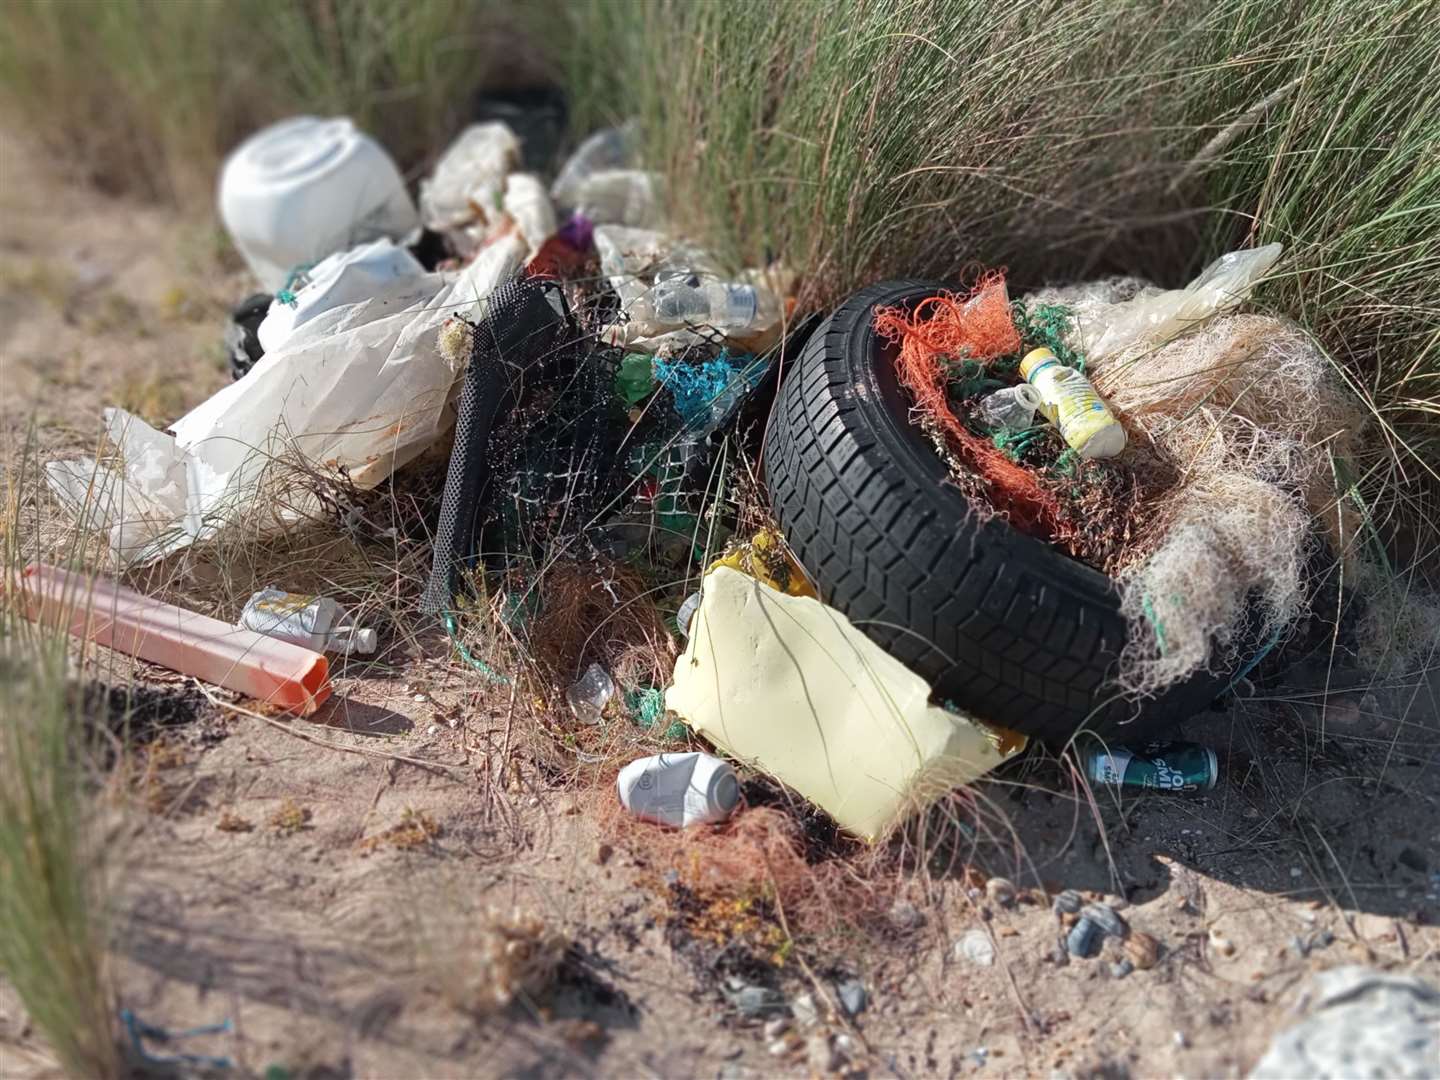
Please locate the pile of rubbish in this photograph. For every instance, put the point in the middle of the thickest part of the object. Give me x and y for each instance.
(603, 382)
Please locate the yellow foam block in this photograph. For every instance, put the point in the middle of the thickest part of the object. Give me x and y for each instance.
(790, 686)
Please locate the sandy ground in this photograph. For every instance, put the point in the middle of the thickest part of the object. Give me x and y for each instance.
(349, 942)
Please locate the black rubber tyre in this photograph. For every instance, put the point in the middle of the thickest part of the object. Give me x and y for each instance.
(1000, 623)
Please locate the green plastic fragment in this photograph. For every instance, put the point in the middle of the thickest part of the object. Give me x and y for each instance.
(635, 381)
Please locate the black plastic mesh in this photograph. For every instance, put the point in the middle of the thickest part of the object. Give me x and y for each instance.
(526, 329)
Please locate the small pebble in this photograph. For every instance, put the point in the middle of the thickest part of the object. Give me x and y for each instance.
(845, 1043)
(418, 698)
(1001, 891)
(432, 729)
(1068, 902)
(1221, 944)
(1295, 871)
(1142, 950)
(781, 1047)
(804, 1010)
(603, 852)
(776, 1027)
(975, 947)
(1122, 967)
(853, 997)
(820, 1053)
(905, 916)
(757, 1001)
(1181, 1040)
(1105, 917)
(1084, 938)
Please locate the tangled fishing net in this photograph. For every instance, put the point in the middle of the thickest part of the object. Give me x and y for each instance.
(1213, 517)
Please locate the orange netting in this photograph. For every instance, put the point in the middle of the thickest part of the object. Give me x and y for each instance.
(976, 327)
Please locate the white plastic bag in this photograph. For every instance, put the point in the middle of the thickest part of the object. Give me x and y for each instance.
(1153, 318)
(361, 388)
(345, 278)
(609, 148)
(527, 205)
(469, 179)
(621, 197)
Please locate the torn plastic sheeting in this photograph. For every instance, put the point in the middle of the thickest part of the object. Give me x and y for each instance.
(348, 277)
(469, 179)
(361, 388)
(1153, 318)
(790, 685)
(621, 197)
(529, 207)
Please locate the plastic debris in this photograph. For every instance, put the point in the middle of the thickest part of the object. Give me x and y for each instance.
(754, 1002)
(621, 197)
(314, 622)
(527, 205)
(690, 301)
(275, 672)
(765, 558)
(348, 277)
(300, 190)
(360, 388)
(635, 381)
(860, 738)
(1072, 405)
(468, 184)
(1009, 409)
(705, 394)
(679, 790)
(589, 694)
(688, 607)
(242, 339)
(609, 148)
(1153, 317)
(139, 1031)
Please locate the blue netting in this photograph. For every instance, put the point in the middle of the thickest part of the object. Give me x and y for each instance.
(698, 387)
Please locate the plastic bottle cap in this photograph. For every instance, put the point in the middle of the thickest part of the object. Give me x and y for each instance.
(1033, 359)
(364, 641)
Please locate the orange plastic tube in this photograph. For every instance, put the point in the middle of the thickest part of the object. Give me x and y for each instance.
(277, 672)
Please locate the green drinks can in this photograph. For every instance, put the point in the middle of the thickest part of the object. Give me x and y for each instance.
(1158, 766)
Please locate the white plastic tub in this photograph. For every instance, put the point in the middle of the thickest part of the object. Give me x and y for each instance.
(307, 187)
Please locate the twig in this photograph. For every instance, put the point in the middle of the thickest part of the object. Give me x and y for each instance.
(430, 766)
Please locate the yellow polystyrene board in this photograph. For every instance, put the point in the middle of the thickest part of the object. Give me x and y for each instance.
(790, 686)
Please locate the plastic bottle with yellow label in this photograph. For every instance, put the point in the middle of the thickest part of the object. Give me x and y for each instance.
(1072, 405)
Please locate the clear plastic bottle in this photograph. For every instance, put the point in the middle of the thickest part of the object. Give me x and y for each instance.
(1010, 409)
(589, 694)
(676, 303)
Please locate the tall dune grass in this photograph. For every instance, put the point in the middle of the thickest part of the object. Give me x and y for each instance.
(148, 95)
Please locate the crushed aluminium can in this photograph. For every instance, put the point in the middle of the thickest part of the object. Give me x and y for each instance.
(1157, 766)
